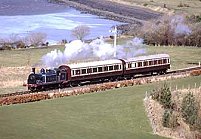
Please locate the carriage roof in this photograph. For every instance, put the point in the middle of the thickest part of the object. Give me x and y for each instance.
(94, 63)
(149, 57)
(115, 61)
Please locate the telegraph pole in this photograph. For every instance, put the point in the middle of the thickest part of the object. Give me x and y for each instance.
(114, 31)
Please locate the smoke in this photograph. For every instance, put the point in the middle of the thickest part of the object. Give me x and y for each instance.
(179, 26)
(131, 49)
(101, 49)
(96, 50)
(54, 58)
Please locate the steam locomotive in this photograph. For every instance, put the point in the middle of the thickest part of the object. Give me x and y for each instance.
(67, 75)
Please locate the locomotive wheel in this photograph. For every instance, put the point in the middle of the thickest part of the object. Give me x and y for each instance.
(32, 89)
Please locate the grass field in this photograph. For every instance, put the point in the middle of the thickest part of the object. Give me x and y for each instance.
(181, 56)
(178, 6)
(117, 114)
(24, 57)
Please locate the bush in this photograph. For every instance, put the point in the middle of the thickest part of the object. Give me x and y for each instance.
(189, 109)
(170, 119)
(145, 4)
(194, 18)
(183, 5)
(170, 30)
(173, 122)
(163, 96)
(166, 118)
(195, 73)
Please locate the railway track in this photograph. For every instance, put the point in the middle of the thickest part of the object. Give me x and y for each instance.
(173, 72)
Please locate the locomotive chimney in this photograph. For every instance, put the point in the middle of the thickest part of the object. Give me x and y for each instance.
(34, 70)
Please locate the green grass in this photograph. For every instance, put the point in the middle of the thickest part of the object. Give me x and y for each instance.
(117, 114)
(182, 57)
(24, 57)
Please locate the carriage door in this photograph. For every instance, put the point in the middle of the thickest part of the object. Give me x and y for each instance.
(63, 75)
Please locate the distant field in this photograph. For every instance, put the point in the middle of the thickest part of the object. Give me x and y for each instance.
(24, 57)
(181, 56)
(189, 6)
(113, 114)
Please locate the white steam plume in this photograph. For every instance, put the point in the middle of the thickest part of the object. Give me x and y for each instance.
(96, 50)
(179, 26)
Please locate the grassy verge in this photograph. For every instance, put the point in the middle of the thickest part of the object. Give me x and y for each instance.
(117, 113)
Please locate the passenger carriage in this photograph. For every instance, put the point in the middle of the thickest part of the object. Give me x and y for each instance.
(93, 71)
(151, 64)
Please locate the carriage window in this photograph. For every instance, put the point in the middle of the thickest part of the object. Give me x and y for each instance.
(129, 65)
(77, 72)
(110, 67)
(168, 60)
(106, 68)
(116, 67)
(155, 62)
(164, 61)
(73, 72)
(100, 69)
(159, 61)
(84, 71)
(151, 62)
(134, 65)
(89, 70)
(139, 64)
(145, 63)
(120, 67)
(94, 69)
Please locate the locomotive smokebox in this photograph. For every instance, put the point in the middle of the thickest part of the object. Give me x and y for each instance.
(34, 70)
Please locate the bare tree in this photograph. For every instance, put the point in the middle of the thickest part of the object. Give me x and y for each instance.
(36, 38)
(14, 38)
(81, 31)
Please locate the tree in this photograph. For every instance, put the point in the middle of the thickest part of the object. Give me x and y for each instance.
(35, 39)
(80, 32)
(189, 109)
(166, 117)
(163, 96)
